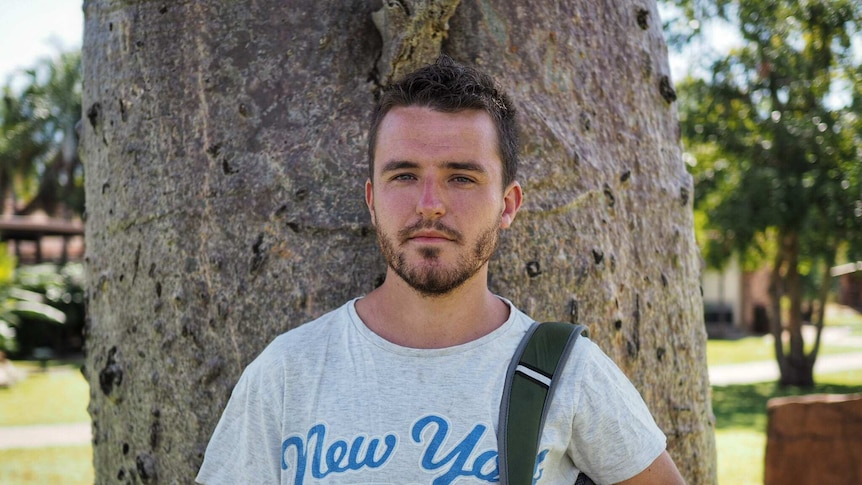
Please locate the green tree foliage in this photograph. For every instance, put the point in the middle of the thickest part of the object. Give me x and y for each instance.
(39, 164)
(36, 293)
(773, 134)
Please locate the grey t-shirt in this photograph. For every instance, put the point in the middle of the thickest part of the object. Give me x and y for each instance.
(331, 402)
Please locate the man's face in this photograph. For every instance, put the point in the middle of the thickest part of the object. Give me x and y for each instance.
(437, 198)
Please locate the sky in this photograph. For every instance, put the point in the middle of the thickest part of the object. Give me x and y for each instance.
(32, 29)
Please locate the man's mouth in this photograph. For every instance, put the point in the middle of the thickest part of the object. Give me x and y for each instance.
(430, 237)
(433, 232)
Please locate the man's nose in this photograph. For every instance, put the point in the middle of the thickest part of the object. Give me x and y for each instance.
(431, 202)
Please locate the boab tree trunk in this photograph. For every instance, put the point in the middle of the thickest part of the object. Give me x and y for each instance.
(224, 147)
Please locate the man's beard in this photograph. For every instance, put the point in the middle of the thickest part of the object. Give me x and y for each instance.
(431, 279)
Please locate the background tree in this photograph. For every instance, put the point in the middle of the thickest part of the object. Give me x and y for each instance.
(39, 164)
(225, 150)
(773, 131)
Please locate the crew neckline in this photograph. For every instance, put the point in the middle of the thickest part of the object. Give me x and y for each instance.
(384, 344)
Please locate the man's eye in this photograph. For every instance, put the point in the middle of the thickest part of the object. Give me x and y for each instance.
(462, 180)
(404, 176)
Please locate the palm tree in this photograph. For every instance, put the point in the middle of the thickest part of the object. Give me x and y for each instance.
(39, 163)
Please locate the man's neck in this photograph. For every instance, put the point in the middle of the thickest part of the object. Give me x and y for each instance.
(406, 317)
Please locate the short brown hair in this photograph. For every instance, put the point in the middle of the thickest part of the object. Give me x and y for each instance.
(448, 86)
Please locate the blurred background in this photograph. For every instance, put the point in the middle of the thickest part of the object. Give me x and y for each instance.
(770, 110)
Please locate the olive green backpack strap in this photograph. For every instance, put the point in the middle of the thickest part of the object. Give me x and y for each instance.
(529, 388)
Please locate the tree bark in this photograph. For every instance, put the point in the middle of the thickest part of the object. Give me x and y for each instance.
(776, 323)
(820, 304)
(795, 367)
(794, 293)
(224, 147)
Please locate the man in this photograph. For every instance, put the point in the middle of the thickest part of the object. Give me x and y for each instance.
(403, 385)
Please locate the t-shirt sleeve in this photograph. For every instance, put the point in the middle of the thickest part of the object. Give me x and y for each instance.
(614, 436)
(246, 444)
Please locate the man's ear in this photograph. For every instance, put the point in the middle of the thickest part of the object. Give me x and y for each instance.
(513, 197)
(369, 200)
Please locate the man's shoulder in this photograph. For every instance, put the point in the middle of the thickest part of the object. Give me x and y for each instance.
(298, 346)
(314, 331)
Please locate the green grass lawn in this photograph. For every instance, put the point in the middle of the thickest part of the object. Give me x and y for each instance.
(740, 422)
(740, 410)
(759, 348)
(740, 456)
(58, 396)
(845, 317)
(69, 465)
(752, 349)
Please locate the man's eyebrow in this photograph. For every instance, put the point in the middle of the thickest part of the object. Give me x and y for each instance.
(396, 165)
(465, 166)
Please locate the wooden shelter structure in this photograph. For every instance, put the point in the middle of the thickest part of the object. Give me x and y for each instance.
(48, 238)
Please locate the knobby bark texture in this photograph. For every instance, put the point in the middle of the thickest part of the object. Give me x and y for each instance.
(224, 148)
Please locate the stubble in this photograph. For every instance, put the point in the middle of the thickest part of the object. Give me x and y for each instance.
(430, 277)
